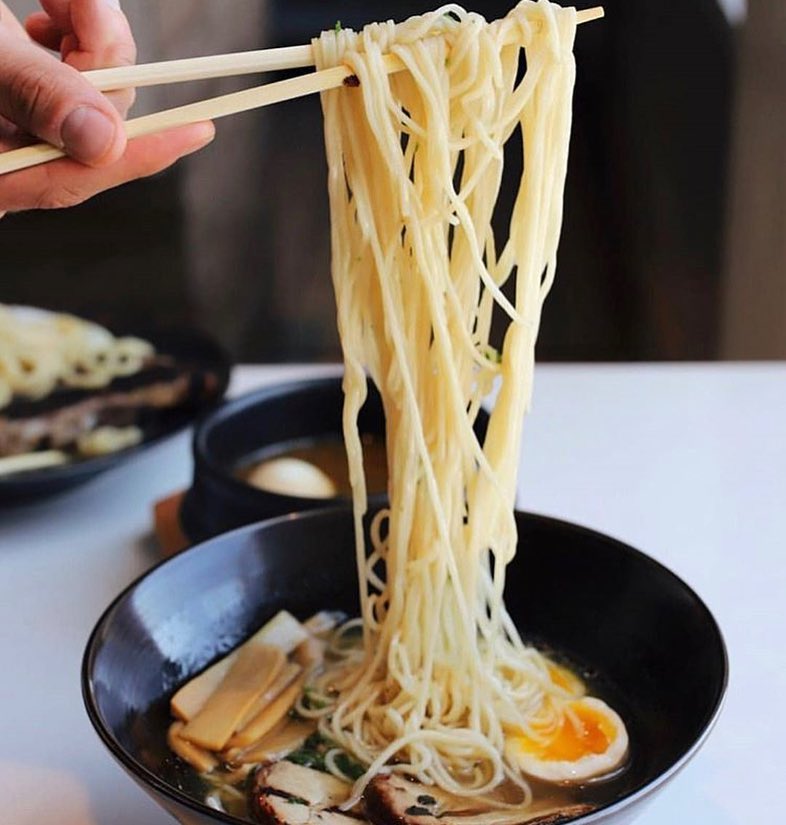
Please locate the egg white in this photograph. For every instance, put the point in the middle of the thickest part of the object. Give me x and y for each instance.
(292, 477)
(586, 767)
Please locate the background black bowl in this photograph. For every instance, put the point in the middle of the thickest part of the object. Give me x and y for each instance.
(190, 348)
(218, 500)
(656, 648)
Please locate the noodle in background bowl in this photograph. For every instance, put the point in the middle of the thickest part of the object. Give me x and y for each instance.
(655, 647)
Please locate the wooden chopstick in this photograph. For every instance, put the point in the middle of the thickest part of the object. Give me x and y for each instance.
(201, 68)
(225, 65)
(210, 109)
(216, 107)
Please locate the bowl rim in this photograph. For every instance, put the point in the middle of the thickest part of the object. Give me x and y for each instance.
(141, 773)
(208, 472)
(206, 466)
(20, 489)
(204, 460)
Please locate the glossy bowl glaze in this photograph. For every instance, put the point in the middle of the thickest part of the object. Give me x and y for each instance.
(296, 411)
(651, 643)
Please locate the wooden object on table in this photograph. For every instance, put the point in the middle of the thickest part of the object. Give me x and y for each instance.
(170, 535)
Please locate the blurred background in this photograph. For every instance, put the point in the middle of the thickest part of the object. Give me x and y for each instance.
(674, 239)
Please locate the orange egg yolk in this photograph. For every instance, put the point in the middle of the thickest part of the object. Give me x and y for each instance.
(563, 678)
(588, 732)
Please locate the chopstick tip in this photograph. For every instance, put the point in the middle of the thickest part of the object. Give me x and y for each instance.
(587, 15)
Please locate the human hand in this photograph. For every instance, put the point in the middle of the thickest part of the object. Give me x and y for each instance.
(43, 97)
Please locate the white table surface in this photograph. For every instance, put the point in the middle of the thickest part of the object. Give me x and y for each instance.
(686, 462)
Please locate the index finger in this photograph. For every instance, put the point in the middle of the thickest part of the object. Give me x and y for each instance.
(47, 99)
(103, 35)
(67, 183)
(90, 34)
(8, 20)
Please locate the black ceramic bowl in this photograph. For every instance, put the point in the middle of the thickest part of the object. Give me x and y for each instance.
(218, 500)
(189, 348)
(293, 412)
(656, 647)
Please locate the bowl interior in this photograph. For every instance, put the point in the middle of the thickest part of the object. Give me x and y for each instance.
(279, 415)
(262, 423)
(252, 425)
(640, 634)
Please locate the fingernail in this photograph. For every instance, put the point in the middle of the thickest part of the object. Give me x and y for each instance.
(205, 132)
(87, 134)
(208, 133)
(115, 4)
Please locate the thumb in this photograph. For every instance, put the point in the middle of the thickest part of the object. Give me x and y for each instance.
(50, 100)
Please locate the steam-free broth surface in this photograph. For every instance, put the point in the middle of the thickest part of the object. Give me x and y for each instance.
(329, 457)
(294, 761)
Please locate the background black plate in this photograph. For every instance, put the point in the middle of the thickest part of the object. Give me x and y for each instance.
(649, 643)
(188, 346)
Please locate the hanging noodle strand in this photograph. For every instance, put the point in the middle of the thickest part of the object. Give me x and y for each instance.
(415, 163)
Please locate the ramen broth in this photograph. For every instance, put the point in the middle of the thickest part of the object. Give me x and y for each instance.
(329, 456)
(236, 785)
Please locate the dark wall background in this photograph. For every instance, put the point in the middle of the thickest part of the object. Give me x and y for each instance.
(643, 237)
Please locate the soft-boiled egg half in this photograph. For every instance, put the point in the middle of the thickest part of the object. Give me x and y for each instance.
(566, 679)
(290, 476)
(590, 741)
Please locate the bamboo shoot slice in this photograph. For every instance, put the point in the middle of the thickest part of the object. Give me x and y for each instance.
(269, 716)
(283, 631)
(287, 736)
(286, 676)
(323, 622)
(312, 651)
(251, 674)
(197, 757)
(309, 653)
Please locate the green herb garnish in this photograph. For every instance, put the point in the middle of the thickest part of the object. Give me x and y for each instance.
(493, 355)
(348, 766)
(311, 754)
(313, 701)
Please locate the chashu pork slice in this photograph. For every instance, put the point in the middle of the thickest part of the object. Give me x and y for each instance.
(277, 810)
(319, 789)
(393, 800)
(61, 418)
(288, 794)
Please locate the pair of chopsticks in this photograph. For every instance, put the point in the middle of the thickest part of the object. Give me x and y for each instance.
(202, 68)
